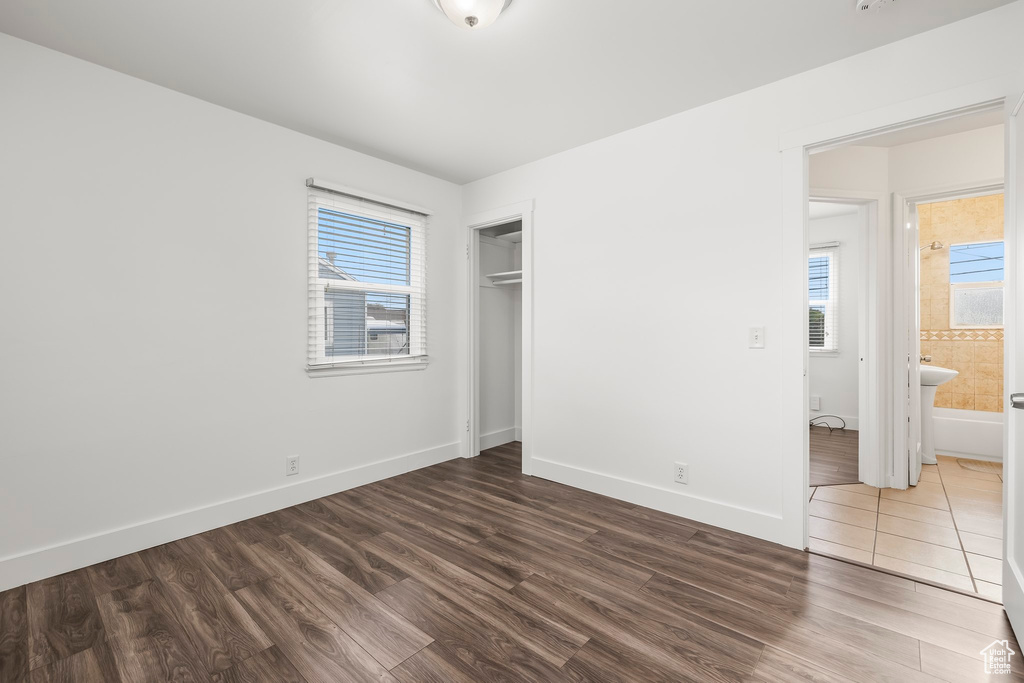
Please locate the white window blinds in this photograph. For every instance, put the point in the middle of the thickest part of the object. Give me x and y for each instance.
(367, 281)
(822, 295)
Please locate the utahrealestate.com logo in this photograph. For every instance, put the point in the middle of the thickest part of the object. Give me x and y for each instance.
(997, 657)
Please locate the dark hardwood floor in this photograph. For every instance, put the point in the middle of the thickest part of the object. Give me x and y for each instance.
(469, 571)
(833, 457)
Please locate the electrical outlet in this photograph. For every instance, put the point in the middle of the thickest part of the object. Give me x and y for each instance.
(682, 473)
(815, 402)
(291, 465)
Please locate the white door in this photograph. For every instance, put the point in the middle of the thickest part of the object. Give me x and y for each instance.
(903, 463)
(913, 345)
(1013, 476)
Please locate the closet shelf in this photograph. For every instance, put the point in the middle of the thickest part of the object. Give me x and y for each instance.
(506, 278)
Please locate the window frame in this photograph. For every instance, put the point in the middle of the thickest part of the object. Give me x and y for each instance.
(831, 345)
(989, 284)
(378, 208)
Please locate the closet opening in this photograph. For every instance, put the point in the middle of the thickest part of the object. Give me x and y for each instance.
(500, 313)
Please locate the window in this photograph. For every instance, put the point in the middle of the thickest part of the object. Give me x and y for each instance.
(976, 273)
(367, 281)
(821, 295)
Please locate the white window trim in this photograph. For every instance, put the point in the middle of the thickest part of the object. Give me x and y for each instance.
(417, 359)
(831, 347)
(953, 286)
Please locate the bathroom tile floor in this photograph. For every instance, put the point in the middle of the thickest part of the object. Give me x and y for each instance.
(946, 530)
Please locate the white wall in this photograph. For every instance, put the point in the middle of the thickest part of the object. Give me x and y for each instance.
(854, 168)
(834, 376)
(638, 227)
(974, 157)
(153, 335)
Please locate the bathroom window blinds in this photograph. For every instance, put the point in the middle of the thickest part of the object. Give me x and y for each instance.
(367, 281)
(822, 291)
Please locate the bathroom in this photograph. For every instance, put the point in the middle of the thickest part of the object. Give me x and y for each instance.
(923, 207)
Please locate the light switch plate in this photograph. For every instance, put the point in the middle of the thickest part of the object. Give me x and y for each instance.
(757, 337)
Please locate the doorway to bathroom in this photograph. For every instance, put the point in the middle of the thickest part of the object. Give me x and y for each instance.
(925, 499)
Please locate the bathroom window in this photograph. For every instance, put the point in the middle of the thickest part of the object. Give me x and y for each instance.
(367, 283)
(822, 300)
(976, 273)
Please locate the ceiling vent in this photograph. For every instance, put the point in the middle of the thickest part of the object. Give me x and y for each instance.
(868, 5)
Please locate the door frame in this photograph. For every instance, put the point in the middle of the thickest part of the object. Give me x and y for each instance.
(795, 149)
(874, 218)
(473, 223)
(906, 327)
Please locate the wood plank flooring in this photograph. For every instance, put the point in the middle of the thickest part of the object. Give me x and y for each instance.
(833, 457)
(469, 571)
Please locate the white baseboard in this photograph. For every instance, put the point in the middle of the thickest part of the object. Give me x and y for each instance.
(852, 423)
(736, 518)
(969, 434)
(41, 563)
(497, 438)
(519, 433)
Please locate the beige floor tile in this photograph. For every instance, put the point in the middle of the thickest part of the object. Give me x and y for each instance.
(842, 513)
(982, 545)
(919, 531)
(931, 476)
(977, 507)
(983, 525)
(846, 552)
(843, 534)
(968, 482)
(923, 572)
(962, 493)
(917, 513)
(925, 493)
(955, 470)
(858, 488)
(919, 552)
(991, 591)
(986, 569)
(858, 500)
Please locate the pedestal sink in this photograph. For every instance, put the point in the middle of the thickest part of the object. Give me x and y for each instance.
(931, 377)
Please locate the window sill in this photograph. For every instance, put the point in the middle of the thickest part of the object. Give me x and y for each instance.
(366, 367)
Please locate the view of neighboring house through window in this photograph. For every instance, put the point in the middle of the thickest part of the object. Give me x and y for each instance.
(821, 295)
(367, 292)
(976, 273)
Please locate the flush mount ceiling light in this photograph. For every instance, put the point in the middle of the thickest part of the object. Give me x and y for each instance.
(472, 14)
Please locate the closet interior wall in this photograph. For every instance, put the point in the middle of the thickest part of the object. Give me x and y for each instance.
(500, 316)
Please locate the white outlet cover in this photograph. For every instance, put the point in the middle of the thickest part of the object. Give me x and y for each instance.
(291, 465)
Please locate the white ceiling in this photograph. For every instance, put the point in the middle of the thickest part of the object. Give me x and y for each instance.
(959, 124)
(395, 79)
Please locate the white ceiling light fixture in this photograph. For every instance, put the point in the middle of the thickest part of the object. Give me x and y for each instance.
(472, 15)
